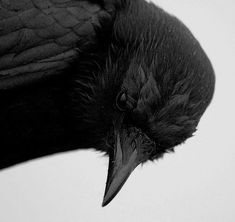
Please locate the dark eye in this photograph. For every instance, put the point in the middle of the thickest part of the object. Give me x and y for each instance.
(121, 101)
(133, 144)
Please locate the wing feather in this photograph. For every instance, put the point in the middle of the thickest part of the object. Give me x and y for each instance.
(39, 38)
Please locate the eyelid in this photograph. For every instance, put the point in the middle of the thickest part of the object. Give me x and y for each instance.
(123, 97)
(130, 102)
(120, 94)
(133, 144)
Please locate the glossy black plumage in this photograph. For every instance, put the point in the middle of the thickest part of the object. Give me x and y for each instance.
(137, 90)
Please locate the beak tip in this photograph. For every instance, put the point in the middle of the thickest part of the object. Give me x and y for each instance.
(105, 202)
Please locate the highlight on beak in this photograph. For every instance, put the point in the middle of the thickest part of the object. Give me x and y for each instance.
(122, 162)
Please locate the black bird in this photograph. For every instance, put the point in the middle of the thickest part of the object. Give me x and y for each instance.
(124, 77)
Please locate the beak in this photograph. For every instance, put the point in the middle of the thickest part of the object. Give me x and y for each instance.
(122, 162)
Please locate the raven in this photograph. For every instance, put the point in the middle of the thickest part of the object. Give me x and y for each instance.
(123, 77)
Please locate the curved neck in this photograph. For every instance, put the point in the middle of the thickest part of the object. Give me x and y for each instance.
(33, 123)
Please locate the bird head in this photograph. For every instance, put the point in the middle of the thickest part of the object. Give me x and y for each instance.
(148, 96)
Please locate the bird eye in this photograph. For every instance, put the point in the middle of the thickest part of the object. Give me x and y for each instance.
(133, 144)
(121, 101)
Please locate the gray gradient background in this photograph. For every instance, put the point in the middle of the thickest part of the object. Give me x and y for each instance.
(194, 184)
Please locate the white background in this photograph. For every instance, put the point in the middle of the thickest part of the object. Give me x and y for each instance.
(195, 184)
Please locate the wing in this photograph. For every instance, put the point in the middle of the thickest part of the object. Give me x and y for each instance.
(39, 38)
